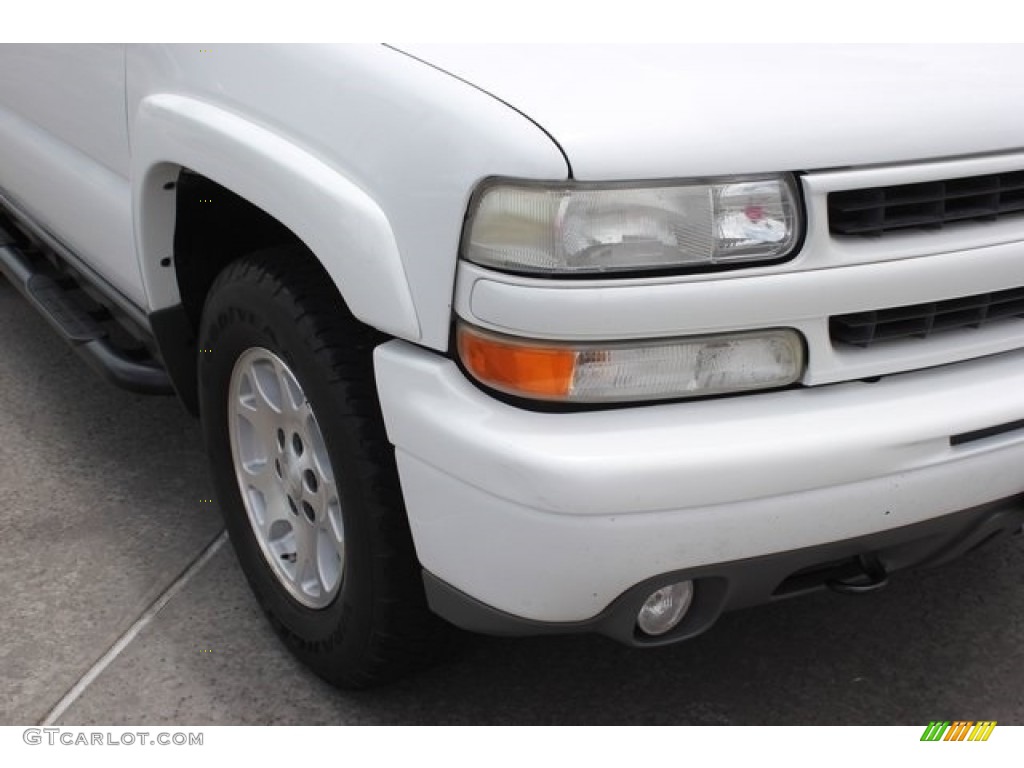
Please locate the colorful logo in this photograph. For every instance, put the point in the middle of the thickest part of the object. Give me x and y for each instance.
(960, 730)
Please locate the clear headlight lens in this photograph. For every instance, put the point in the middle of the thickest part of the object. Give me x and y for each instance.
(632, 371)
(573, 228)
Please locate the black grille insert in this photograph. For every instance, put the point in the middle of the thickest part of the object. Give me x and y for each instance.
(921, 320)
(928, 205)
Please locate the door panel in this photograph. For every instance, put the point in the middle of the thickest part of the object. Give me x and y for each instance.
(64, 154)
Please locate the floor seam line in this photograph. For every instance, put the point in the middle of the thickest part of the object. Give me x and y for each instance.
(133, 631)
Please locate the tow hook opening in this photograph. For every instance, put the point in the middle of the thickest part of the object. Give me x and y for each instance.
(873, 577)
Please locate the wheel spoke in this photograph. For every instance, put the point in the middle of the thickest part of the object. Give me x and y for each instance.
(266, 419)
(330, 554)
(323, 462)
(266, 383)
(261, 435)
(283, 549)
(306, 574)
(264, 499)
(332, 513)
(292, 396)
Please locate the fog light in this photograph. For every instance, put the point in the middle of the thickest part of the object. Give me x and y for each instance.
(664, 609)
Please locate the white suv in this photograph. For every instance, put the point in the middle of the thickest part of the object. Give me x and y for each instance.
(538, 340)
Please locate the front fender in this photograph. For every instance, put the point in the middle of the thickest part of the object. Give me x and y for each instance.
(342, 225)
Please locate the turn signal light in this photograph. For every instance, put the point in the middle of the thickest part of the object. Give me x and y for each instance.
(632, 371)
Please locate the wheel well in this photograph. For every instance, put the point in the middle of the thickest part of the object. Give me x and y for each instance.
(213, 227)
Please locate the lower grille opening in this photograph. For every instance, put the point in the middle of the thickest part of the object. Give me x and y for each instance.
(862, 329)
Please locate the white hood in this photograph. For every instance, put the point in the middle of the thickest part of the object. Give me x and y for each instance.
(655, 111)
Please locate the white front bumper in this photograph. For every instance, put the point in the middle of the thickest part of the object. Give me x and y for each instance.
(551, 516)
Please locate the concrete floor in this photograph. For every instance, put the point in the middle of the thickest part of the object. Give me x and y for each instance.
(101, 513)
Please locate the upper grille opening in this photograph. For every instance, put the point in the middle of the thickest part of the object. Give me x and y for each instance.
(927, 205)
(921, 320)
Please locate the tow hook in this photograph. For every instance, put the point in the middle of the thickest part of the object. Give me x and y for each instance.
(873, 578)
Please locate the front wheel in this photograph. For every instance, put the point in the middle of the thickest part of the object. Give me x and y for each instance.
(304, 474)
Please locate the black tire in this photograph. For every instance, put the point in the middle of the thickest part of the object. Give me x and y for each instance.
(377, 627)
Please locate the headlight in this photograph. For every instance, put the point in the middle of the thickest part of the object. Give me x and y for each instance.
(626, 371)
(580, 228)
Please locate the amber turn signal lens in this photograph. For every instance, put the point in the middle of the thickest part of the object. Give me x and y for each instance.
(521, 369)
